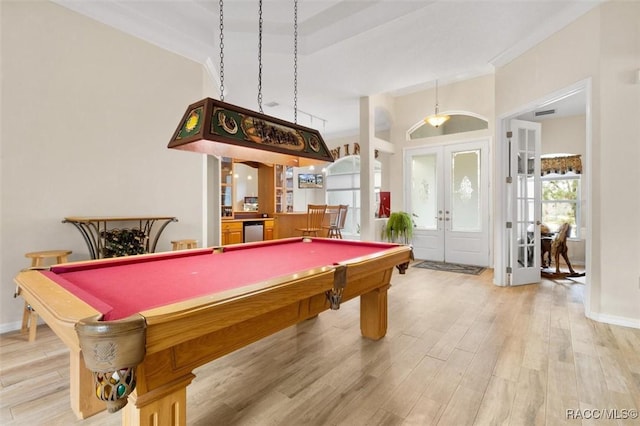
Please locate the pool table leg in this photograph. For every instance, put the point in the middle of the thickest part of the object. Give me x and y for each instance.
(82, 394)
(373, 313)
(166, 405)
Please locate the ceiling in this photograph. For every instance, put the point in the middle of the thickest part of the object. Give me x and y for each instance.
(346, 48)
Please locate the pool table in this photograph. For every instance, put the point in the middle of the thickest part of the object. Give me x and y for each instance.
(141, 324)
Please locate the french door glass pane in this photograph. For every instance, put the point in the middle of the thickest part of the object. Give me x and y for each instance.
(465, 191)
(525, 199)
(424, 191)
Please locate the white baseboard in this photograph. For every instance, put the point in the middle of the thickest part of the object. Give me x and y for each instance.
(614, 320)
(10, 326)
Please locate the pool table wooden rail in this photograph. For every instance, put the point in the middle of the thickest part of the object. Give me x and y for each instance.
(61, 310)
(185, 335)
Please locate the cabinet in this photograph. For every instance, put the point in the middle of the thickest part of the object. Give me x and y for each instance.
(268, 229)
(226, 187)
(288, 177)
(275, 188)
(286, 224)
(279, 187)
(231, 232)
(283, 188)
(267, 195)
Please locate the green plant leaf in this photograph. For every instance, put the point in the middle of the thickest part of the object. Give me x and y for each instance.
(399, 227)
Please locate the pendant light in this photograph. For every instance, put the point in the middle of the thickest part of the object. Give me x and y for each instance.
(436, 120)
(215, 127)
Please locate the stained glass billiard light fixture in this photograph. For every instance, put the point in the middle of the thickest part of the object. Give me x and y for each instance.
(436, 120)
(217, 128)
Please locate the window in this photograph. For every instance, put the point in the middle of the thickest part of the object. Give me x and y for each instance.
(343, 187)
(561, 203)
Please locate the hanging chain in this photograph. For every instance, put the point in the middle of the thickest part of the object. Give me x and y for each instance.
(295, 61)
(221, 51)
(260, 56)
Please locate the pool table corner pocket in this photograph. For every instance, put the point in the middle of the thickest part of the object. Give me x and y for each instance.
(112, 350)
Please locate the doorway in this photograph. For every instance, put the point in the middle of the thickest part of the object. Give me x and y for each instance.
(447, 196)
(565, 120)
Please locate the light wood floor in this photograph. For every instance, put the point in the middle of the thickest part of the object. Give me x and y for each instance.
(459, 351)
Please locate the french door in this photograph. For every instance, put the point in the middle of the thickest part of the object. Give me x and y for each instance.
(523, 202)
(447, 195)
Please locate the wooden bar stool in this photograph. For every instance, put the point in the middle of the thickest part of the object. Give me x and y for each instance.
(29, 315)
(184, 244)
(38, 257)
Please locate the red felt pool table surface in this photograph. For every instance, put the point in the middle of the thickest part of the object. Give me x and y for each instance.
(122, 287)
(166, 314)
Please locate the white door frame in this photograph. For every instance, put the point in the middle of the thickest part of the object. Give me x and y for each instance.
(441, 151)
(500, 200)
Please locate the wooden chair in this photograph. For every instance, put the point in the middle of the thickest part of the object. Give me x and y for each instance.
(559, 247)
(334, 215)
(545, 249)
(315, 218)
(336, 224)
(344, 209)
(29, 315)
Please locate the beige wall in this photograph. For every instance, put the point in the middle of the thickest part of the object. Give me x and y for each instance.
(472, 96)
(87, 113)
(602, 47)
(568, 135)
(619, 133)
(564, 135)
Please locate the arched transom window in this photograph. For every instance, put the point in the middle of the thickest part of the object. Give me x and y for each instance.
(458, 123)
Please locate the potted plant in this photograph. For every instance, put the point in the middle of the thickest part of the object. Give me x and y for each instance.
(399, 227)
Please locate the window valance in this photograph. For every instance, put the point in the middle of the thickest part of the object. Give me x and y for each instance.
(561, 165)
